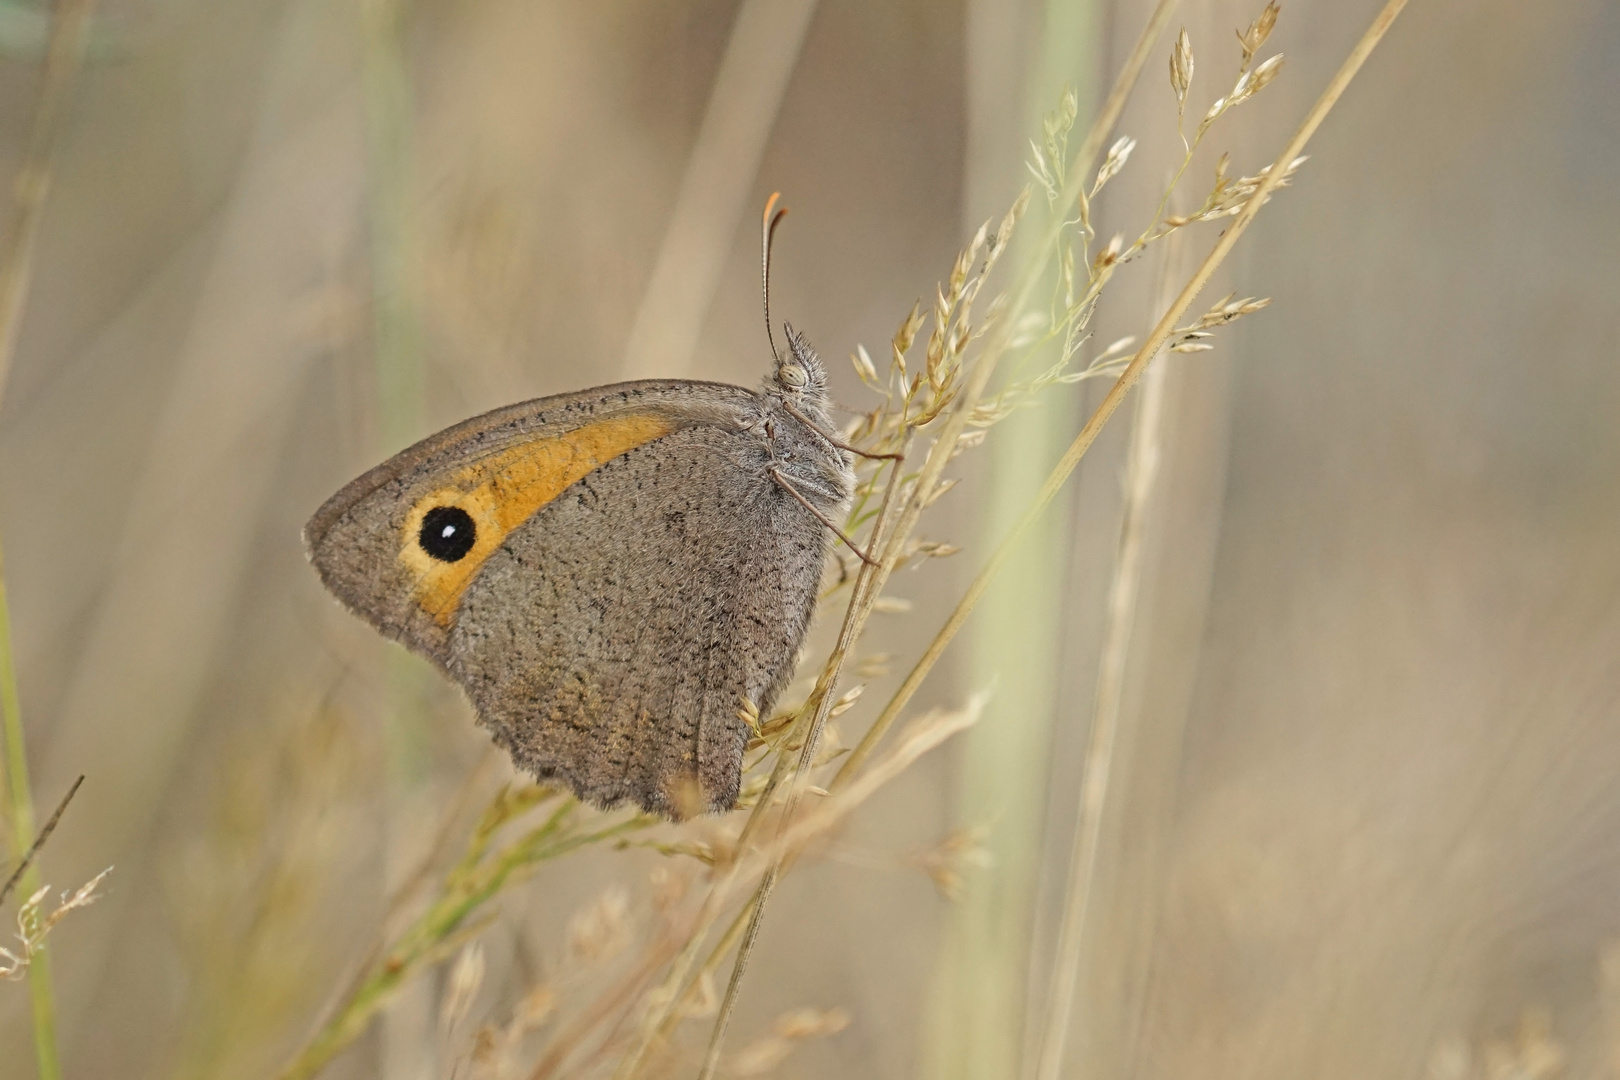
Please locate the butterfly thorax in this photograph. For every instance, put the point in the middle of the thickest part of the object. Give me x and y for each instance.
(795, 421)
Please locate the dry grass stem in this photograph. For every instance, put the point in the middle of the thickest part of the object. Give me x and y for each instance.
(39, 842)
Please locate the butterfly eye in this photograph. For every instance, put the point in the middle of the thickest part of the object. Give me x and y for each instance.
(792, 375)
(448, 533)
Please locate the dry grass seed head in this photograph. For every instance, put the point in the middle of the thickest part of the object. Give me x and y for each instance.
(1181, 69)
(946, 862)
(846, 701)
(1251, 83)
(494, 1051)
(873, 666)
(748, 713)
(1109, 255)
(601, 930)
(865, 370)
(466, 979)
(666, 889)
(1118, 155)
(1255, 36)
(939, 490)
(34, 924)
(790, 1030)
(1532, 1052)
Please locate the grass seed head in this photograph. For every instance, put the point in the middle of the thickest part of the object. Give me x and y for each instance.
(846, 700)
(1118, 155)
(947, 862)
(1255, 36)
(466, 978)
(865, 370)
(765, 1053)
(1251, 83)
(1181, 69)
(602, 930)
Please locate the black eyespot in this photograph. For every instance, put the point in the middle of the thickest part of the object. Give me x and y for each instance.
(447, 533)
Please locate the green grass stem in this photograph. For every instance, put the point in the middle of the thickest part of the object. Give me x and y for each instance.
(20, 804)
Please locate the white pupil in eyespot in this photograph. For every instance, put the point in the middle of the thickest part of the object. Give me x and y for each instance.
(449, 530)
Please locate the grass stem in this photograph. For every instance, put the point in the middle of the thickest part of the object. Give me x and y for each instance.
(39, 842)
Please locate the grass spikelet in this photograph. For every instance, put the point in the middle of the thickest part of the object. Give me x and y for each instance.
(766, 1053)
(1181, 70)
(34, 924)
(1255, 36)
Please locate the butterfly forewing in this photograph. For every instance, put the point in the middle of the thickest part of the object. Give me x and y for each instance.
(389, 544)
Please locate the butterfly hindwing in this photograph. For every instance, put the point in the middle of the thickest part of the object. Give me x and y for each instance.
(613, 639)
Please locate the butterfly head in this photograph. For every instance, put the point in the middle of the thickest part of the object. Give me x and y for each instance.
(799, 375)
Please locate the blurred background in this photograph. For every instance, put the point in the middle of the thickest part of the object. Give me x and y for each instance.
(1363, 818)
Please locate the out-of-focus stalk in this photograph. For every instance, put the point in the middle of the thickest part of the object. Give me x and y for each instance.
(396, 325)
(1018, 642)
(1141, 470)
(66, 50)
(760, 58)
(399, 372)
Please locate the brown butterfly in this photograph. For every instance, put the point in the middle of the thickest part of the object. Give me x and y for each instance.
(611, 574)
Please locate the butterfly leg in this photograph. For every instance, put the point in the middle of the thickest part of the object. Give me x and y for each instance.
(815, 427)
(787, 485)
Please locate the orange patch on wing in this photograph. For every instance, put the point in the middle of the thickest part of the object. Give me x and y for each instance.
(503, 491)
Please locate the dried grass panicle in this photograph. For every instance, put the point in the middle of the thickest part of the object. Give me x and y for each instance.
(1191, 338)
(1532, 1052)
(495, 1051)
(34, 924)
(1072, 307)
(948, 862)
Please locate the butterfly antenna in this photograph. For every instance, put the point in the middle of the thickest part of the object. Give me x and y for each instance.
(767, 230)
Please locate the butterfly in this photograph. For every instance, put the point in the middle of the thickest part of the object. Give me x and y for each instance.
(616, 577)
